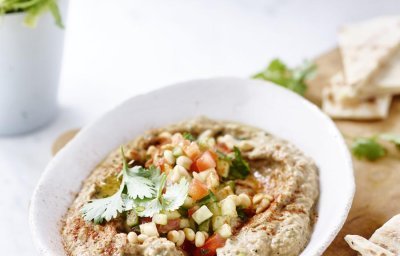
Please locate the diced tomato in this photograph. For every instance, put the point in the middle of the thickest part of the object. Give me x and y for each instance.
(188, 246)
(193, 167)
(171, 225)
(192, 150)
(213, 154)
(192, 210)
(210, 247)
(198, 189)
(145, 220)
(160, 163)
(205, 161)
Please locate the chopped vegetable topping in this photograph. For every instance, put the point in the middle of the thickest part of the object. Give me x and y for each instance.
(144, 189)
(188, 197)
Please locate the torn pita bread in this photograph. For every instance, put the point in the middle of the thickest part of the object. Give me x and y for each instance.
(385, 241)
(366, 46)
(386, 81)
(339, 101)
(365, 247)
(388, 236)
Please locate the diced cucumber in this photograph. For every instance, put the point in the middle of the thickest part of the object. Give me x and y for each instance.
(173, 215)
(225, 231)
(223, 168)
(149, 229)
(177, 151)
(202, 214)
(228, 207)
(192, 224)
(218, 221)
(214, 208)
(184, 223)
(231, 184)
(132, 219)
(160, 218)
(205, 226)
(224, 192)
(188, 203)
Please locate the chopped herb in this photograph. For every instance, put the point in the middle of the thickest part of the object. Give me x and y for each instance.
(141, 189)
(188, 136)
(368, 148)
(208, 199)
(242, 214)
(222, 156)
(292, 79)
(239, 168)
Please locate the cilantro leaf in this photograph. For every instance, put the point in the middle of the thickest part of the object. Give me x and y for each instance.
(292, 79)
(239, 168)
(138, 186)
(188, 136)
(149, 207)
(104, 208)
(141, 189)
(393, 138)
(175, 195)
(368, 148)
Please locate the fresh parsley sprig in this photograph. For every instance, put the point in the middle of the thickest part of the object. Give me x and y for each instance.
(140, 189)
(292, 79)
(370, 148)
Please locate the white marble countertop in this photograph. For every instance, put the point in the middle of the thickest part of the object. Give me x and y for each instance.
(116, 49)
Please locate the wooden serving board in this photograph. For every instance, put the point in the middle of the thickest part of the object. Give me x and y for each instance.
(377, 196)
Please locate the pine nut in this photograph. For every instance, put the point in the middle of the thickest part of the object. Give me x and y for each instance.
(181, 238)
(205, 234)
(199, 239)
(263, 205)
(173, 236)
(142, 238)
(132, 237)
(189, 234)
(245, 200)
(169, 157)
(257, 198)
(184, 161)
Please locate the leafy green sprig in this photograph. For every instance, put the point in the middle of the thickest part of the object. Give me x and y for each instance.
(140, 189)
(33, 9)
(371, 148)
(292, 79)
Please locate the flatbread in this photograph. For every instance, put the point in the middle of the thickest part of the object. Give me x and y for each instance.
(365, 247)
(340, 102)
(386, 81)
(366, 46)
(388, 236)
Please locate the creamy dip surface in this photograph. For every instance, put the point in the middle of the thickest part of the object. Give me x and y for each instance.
(283, 188)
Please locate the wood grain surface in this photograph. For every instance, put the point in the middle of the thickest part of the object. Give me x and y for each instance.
(377, 196)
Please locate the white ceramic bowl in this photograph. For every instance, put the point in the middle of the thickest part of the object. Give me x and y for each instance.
(257, 103)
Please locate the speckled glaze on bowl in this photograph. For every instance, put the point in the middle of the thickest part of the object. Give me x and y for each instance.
(256, 103)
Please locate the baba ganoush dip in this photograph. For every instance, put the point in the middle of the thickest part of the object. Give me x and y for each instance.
(199, 187)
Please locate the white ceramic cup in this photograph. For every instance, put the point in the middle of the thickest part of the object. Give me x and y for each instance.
(30, 64)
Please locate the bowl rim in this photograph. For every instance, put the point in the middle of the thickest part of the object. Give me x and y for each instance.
(41, 245)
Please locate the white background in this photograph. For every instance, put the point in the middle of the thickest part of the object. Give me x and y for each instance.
(119, 48)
